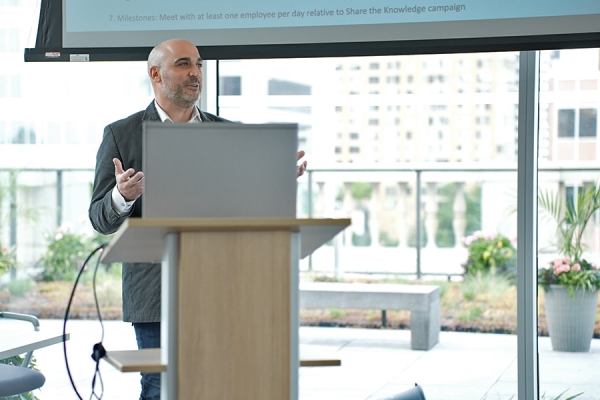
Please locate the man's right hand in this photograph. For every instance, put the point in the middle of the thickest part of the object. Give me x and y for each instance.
(129, 183)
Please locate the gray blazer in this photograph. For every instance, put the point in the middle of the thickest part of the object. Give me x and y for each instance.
(123, 140)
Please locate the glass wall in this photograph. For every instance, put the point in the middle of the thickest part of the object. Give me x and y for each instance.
(404, 145)
(568, 181)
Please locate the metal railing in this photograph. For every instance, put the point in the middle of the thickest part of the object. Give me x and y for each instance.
(415, 175)
(556, 173)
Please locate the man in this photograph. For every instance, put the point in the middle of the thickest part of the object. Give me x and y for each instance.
(175, 69)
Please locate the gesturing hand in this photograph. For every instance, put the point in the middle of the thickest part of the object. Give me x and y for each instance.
(302, 165)
(129, 183)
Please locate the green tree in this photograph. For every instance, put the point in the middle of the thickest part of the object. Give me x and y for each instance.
(361, 190)
(445, 232)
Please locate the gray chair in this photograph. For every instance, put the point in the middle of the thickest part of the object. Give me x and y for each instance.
(15, 380)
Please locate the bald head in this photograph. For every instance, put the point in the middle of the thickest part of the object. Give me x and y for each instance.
(161, 51)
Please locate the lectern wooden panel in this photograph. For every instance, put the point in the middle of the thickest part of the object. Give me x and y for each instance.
(234, 312)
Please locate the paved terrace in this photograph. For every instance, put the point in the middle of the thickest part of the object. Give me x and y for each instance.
(375, 365)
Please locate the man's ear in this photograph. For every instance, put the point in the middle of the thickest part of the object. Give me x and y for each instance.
(154, 73)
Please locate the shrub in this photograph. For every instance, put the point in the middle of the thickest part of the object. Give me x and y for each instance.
(490, 254)
(67, 250)
(19, 287)
(485, 284)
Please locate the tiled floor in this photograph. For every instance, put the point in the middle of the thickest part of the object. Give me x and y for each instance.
(376, 364)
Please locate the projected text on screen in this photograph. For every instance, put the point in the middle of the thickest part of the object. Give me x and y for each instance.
(143, 15)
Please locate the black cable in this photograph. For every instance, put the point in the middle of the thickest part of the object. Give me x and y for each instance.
(99, 351)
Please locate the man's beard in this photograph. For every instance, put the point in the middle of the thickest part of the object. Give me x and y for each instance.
(177, 93)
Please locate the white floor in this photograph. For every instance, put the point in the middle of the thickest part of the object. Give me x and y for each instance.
(376, 364)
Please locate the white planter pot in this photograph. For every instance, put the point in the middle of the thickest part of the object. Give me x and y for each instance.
(570, 320)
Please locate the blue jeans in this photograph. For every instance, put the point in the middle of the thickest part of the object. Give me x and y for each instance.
(147, 335)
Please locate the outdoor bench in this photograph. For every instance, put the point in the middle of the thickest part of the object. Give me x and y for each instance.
(423, 302)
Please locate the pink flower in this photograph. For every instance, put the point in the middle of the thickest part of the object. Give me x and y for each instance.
(560, 268)
(64, 228)
(576, 268)
(58, 236)
(594, 266)
(558, 262)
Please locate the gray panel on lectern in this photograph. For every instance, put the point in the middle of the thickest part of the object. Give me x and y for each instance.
(219, 170)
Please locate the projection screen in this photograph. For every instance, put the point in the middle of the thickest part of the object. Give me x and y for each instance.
(283, 28)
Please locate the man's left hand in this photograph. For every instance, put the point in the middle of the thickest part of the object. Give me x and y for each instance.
(302, 165)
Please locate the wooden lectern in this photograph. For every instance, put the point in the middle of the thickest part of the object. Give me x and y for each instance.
(229, 301)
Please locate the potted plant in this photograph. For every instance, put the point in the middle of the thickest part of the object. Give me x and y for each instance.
(570, 282)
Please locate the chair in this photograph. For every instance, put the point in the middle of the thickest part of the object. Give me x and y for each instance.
(15, 380)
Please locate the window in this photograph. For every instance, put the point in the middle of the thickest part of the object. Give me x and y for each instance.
(23, 135)
(354, 150)
(15, 86)
(3, 84)
(373, 122)
(374, 79)
(278, 87)
(587, 122)
(374, 66)
(338, 150)
(353, 135)
(566, 123)
(3, 35)
(230, 85)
